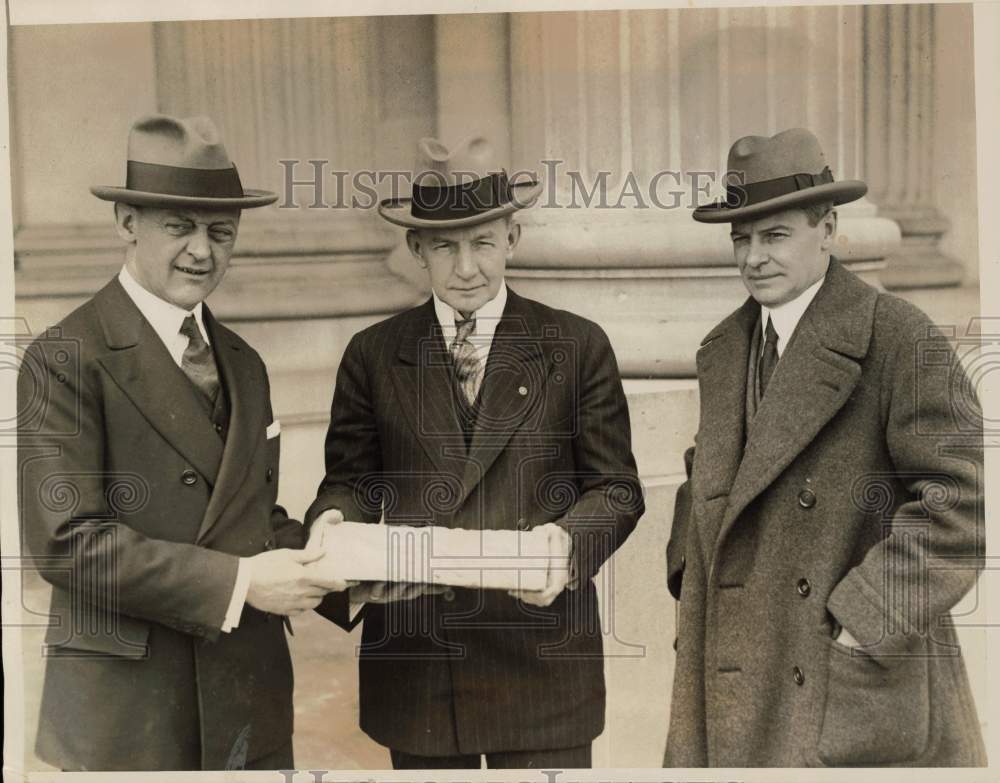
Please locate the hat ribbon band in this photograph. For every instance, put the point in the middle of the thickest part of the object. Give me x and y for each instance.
(179, 181)
(464, 199)
(738, 195)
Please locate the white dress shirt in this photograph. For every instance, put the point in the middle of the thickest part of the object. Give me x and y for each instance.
(787, 316)
(166, 320)
(487, 319)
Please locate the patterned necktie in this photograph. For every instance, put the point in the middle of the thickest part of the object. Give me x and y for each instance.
(198, 362)
(769, 358)
(468, 369)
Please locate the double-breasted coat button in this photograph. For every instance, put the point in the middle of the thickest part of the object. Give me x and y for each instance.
(798, 676)
(218, 428)
(807, 498)
(522, 524)
(449, 595)
(189, 477)
(269, 474)
(803, 587)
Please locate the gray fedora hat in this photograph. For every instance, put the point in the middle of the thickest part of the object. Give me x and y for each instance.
(458, 187)
(180, 162)
(771, 174)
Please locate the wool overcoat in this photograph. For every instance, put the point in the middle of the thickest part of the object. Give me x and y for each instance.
(138, 511)
(477, 671)
(853, 498)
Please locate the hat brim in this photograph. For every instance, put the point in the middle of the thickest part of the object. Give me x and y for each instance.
(837, 192)
(251, 198)
(397, 210)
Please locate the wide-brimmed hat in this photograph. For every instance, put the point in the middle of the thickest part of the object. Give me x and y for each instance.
(773, 174)
(459, 187)
(180, 162)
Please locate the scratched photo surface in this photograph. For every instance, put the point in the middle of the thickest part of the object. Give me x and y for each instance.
(625, 120)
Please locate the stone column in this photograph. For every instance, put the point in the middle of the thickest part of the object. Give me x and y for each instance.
(899, 141)
(646, 104)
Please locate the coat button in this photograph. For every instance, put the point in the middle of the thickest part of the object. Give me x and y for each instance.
(807, 498)
(448, 595)
(269, 474)
(804, 587)
(189, 477)
(798, 676)
(218, 428)
(522, 524)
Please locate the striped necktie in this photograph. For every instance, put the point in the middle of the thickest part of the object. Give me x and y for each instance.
(769, 358)
(468, 368)
(198, 362)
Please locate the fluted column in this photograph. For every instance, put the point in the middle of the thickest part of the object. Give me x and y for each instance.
(899, 141)
(323, 95)
(647, 103)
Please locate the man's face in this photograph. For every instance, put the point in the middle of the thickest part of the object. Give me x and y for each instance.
(466, 265)
(181, 255)
(781, 255)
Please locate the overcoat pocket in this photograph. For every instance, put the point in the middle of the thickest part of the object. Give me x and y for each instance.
(876, 712)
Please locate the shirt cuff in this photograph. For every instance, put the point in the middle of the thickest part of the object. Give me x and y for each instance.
(240, 590)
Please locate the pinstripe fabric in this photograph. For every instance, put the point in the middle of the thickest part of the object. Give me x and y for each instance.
(481, 672)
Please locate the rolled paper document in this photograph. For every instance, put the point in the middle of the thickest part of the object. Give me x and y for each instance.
(499, 559)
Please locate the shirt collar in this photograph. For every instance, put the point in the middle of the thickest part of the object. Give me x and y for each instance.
(786, 317)
(487, 317)
(164, 317)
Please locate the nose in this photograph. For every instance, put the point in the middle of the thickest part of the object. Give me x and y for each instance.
(756, 255)
(465, 265)
(198, 246)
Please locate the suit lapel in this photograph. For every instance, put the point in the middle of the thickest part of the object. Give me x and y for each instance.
(247, 410)
(143, 368)
(814, 378)
(513, 386)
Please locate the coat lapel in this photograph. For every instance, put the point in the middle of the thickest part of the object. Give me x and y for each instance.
(422, 379)
(814, 378)
(142, 367)
(247, 411)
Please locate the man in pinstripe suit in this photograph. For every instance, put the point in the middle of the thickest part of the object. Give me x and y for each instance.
(480, 409)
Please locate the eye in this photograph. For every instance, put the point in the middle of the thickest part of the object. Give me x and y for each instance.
(484, 243)
(177, 227)
(775, 236)
(222, 235)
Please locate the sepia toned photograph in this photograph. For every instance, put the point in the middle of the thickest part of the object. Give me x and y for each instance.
(539, 390)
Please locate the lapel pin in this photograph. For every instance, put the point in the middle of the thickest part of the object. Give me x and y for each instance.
(522, 390)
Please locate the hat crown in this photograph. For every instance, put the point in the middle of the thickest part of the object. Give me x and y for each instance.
(761, 158)
(473, 158)
(189, 142)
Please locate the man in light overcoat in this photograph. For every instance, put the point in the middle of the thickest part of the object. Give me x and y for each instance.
(833, 513)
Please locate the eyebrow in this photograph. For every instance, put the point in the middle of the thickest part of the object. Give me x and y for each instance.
(228, 222)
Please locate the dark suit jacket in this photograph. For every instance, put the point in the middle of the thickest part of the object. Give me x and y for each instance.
(476, 671)
(856, 500)
(138, 511)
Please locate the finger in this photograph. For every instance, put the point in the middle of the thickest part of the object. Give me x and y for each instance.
(377, 591)
(307, 555)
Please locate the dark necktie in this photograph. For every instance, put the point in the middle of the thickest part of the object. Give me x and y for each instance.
(769, 358)
(198, 362)
(468, 369)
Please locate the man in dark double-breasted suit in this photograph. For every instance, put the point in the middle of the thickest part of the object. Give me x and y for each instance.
(148, 474)
(484, 410)
(834, 510)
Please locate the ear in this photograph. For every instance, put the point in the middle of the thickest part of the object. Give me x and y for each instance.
(126, 217)
(413, 242)
(513, 237)
(829, 225)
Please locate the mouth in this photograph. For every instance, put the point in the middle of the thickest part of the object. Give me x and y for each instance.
(468, 290)
(761, 278)
(192, 271)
